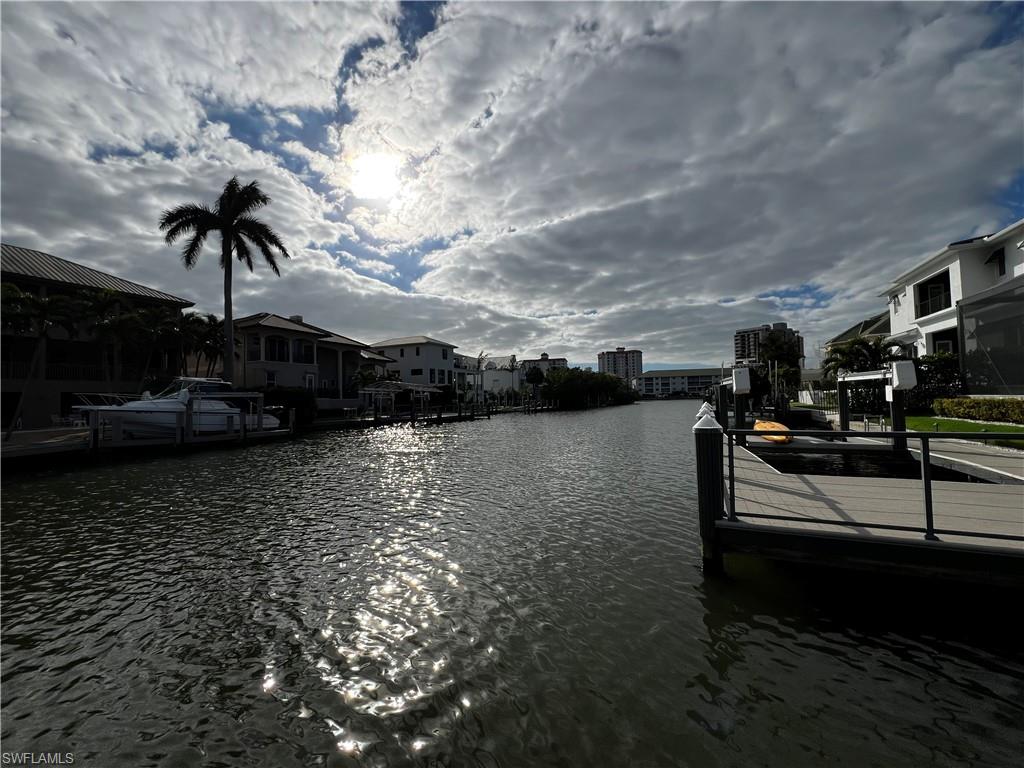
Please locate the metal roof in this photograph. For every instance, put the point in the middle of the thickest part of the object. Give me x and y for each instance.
(37, 265)
(876, 325)
(412, 340)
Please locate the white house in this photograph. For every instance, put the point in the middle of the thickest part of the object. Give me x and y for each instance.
(499, 374)
(420, 359)
(923, 302)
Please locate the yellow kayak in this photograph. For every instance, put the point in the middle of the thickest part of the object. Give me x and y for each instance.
(772, 426)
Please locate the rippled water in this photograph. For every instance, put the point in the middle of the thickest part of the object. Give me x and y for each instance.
(519, 591)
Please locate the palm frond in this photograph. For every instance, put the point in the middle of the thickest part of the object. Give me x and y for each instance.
(190, 255)
(186, 218)
(264, 238)
(242, 251)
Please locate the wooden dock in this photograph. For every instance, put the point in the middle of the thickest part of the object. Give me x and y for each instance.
(963, 530)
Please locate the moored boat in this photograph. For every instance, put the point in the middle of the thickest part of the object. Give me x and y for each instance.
(158, 415)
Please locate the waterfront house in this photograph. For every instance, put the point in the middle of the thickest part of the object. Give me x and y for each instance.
(289, 352)
(500, 374)
(420, 359)
(88, 356)
(967, 299)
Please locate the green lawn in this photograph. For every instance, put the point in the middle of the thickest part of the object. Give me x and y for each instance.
(928, 424)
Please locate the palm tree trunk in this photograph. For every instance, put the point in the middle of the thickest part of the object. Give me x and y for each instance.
(229, 325)
(29, 381)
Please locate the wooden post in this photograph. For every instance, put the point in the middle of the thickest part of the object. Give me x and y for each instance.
(487, 407)
(897, 410)
(843, 394)
(710, 496)
(243, 423)
(459, 400)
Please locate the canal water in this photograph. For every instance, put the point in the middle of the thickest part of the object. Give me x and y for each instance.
(523, 591)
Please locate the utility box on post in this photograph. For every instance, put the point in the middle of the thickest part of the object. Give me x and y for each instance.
(904, 375)
(741, 381)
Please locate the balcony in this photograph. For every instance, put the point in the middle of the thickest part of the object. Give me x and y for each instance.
(932, 304)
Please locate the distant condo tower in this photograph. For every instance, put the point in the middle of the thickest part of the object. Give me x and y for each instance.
(625, 363)
(747, 342)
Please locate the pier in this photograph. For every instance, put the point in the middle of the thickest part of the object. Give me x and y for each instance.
(970, 531)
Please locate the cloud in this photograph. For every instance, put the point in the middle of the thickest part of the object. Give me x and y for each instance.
(574, 177)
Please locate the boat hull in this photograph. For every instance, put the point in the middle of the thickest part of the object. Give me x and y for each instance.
(148, 419)
(772, 426)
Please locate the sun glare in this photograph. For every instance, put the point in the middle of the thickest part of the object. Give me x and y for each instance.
(375, 176)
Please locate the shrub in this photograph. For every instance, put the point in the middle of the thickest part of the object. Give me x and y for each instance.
(981, 409)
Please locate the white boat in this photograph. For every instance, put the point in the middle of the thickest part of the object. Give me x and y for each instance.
(158, 415)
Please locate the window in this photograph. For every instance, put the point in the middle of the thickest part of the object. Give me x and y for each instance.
(933, 295)
(252, 347)
(444, 353)
(417, 351)
(401, 351)
(416, 372)
(271, 378)
(302, 351)
(998, 258)
(276, 349)
(449, 377)
(432, 376)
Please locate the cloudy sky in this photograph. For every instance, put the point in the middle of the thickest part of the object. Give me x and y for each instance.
(523, 178)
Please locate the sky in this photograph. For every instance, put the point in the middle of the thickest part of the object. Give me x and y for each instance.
(522, 178)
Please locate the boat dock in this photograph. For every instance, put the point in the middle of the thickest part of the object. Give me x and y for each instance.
(972, 530)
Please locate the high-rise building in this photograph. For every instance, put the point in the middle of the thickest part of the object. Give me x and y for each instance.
(625, 363)
(747, 342)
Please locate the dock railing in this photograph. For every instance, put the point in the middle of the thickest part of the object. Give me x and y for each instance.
(928, 530)
(717, 480)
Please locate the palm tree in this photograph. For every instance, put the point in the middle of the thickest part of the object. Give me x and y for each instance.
(859, 354)
(231, 217)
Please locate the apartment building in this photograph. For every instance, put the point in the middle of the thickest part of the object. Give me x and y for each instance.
(747, 342)
(625, 363)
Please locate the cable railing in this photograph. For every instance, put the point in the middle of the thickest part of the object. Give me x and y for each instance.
(737, 437)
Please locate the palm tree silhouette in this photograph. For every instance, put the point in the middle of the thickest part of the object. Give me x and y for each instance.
(231, 217)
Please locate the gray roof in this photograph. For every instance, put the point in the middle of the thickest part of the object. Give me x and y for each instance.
(335, 338)
(270, 320)
(367, 354)
(876, 325)
(406, 341)
(37, 265)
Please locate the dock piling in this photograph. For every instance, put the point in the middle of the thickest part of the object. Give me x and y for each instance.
(710, 502)
(926, 484)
